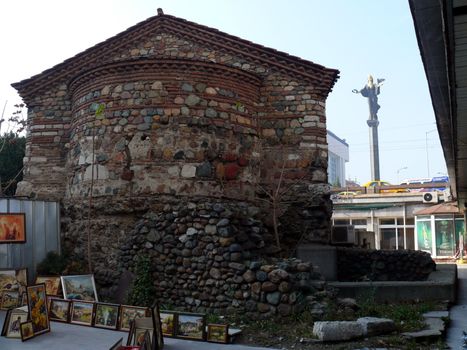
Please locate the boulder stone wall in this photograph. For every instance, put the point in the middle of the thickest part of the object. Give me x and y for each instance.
(356, 264)
(208, 256)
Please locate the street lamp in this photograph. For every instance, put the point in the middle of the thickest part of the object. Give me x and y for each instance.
(426, 149)
(398, 170)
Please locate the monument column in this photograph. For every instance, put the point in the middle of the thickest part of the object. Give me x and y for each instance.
(374, 149)
(371, 92)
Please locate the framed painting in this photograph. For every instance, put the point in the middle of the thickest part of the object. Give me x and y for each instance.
(129, 313)
(168, 322)
(156, 320)
(50, 298)
(79, 287)
(218, 333)
(14, 279)
(52, 284)
(190, 326)
(9, 299)
(59, 310)
(106, 315)
(145, 343)
(140, 329)
(81, 312)
(14, 322)
(26, 330)
(37, 305)
(12, 228)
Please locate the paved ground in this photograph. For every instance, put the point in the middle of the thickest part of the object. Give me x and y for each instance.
(72, 337)
(458, 313)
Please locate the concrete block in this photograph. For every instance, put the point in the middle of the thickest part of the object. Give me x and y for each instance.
(322, 256)
(337, 330)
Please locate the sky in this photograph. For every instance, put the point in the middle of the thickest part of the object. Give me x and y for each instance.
(358, 37)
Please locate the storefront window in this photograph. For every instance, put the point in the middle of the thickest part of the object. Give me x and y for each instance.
(388, 238)
(424, 235)
(445, 241)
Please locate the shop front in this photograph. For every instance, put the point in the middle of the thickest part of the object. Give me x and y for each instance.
(440, 229)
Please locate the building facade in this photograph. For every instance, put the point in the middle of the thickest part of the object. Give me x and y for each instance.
(338, 155)
(165, 141)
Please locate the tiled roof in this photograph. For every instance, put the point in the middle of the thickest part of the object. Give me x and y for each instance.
(323, 78)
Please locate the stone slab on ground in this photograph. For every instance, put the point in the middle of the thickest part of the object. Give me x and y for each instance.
(376, 326)
(435, 329)
(337, 330)
(436, 314)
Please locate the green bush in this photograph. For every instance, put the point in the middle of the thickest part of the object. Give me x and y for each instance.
(142, 290)
(53, 264)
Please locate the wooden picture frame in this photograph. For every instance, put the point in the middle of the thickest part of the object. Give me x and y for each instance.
(14, 322)
(191, 326)
(118, 344)
(53, 284)
(218, 333)
(26, 331)
(79, 287)
(9, 299)
(128, 313)
(82, 312)
(24, 299)
(59, 310)
(168, 323)
(156, 320)
(106, 315)
(37, 305)
(131, 333)
(14, 279)
(5, 322)
(12, 228)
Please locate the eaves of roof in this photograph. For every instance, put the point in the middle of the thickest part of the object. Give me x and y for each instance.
(324, 78)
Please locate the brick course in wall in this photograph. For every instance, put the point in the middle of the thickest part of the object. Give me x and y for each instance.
(190, 112)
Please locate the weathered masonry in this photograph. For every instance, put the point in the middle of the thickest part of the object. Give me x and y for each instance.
(194, 123)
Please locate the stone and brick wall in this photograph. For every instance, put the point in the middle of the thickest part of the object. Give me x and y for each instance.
(355, 264)
(190, 113)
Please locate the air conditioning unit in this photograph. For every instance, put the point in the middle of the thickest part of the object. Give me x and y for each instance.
(430, 197)
(343, 234)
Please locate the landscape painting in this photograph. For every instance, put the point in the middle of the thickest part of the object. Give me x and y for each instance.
(106, 315)
(167, 320)
(79, 287)
(12, 228)
(81, 312)
(59, 310)
(129, 313)
(190, 326)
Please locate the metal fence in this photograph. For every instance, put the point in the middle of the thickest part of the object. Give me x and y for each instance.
(42, 234)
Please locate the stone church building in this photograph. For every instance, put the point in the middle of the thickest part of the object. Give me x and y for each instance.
(166, 140)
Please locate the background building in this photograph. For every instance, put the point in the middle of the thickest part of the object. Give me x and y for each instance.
(338, 155)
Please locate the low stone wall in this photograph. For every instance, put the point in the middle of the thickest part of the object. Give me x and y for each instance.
(354, 264)
(213, 257)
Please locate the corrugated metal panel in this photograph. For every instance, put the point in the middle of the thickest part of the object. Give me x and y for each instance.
(42, 234)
